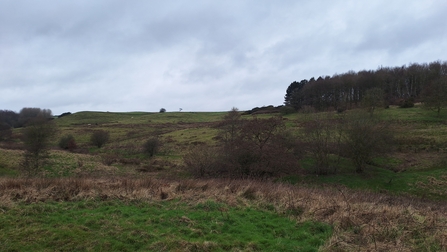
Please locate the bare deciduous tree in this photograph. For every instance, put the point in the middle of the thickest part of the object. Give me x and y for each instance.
(230, 127)
(203, 161)
(364, 138)
(249, 148)
(99, 138)
(435, 94)
(27, 114)
(258, 148)
(373, 99)
(36, 137)
(322, 138)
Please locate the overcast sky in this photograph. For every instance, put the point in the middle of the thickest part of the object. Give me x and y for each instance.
(114, 55)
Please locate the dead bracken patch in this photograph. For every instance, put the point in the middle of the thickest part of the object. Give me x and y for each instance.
(434, 186)
(362, 221)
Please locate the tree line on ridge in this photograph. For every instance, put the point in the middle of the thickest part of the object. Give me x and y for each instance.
(400, 85)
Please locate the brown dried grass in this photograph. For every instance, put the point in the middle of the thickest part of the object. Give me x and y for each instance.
(362, 221)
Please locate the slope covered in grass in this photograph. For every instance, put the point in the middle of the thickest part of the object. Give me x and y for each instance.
(397, 203)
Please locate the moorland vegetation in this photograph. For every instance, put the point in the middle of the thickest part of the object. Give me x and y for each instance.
(357, 161)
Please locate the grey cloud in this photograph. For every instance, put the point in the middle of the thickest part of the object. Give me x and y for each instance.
(399, 33)
(199, 55)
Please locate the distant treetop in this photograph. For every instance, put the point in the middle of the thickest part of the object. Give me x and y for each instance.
(347, 90)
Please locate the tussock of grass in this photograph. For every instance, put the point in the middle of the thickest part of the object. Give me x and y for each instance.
(361, 220)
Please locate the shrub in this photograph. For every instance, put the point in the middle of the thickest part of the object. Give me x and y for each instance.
(202, 161)
(151, 146)
(286, 110)
(99, 138)
(67, 143)
(162, 110)
(259, 148)
(322, 137)
(229, 126)
(256, 148)
(364, 138)
(373, 99)
(407, 103)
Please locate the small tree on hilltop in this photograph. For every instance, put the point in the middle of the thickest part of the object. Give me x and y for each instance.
(162, 110)
(99, 138)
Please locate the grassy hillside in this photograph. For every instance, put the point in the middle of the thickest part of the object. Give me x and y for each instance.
(416, 166)
(419, 157)
(398, 203)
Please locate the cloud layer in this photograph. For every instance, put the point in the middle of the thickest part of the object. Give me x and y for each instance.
(199, 55)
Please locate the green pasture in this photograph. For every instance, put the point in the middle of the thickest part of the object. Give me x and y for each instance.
(104, 118)
(146, 226)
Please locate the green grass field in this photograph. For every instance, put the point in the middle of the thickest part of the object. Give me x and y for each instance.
(167, 226)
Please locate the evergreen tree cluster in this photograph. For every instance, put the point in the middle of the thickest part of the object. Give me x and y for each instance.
(347, 90)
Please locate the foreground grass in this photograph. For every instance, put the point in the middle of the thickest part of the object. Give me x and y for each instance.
(165, 226)
(211, 215)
